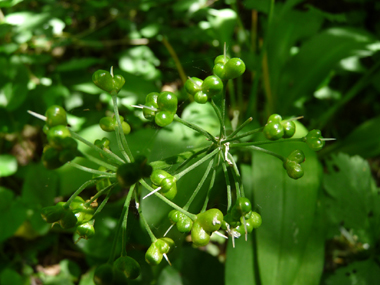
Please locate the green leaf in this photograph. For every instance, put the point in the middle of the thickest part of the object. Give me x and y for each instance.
(364, 140)
(8, 165)
(10, 276)
(308, 68)
(352, 196)
(288, 209)
(77, 64)
(360, 272)
(223, 22)
(169, 276)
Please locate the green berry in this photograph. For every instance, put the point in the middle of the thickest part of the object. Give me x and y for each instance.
(104, 80)
(289, 129)
(55, 116)
(293, 169)
(68, 220)
(201, 97)
(164, 118)
(234, 68)
(314, 140)
(211, 220)
(199, 236)
(56, 135)
(52, 214)
(129, 266)
(86, 230)
(273, 130)
(212, 86)
(193, 85)
(104, 274)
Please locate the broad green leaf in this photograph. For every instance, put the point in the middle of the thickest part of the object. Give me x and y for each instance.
(240, 263)
(77, 64)
(308, 68)
(40, 187)
(10, 276)
(288, 209)
(8, 165)
(360, 272)
(364, 140)
(352, 197)
(27, 20)
(169, 276)
(11, 217)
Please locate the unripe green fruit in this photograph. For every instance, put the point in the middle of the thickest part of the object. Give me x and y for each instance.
(104, 80)
(164, 118)
(56, 135)
(86, 230)
(293, 169)
(211, 220)
(68, 220)
(289, 129)
(234, 67)
(199, 236)
(55, 116)
(129, 266)
(193, 85)
(212, 86)
(314, 140)
(104, 274)
(52, 214)
(201, 97)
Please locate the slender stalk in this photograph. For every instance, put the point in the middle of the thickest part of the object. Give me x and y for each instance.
(119, 132)
(199, 186)
(228, 183)
(251, 147)
(104, 202)
(223, 131)
(199, 162)
(97, 195)
(192, 156)
(101, 163)
(239, 128)
(114, 155)
(236, 145)
(125, 220)
(177, 62)
(98, 150)
(118, 227)
(80, 189)
(243, 135)
(237, 177)
(93, 171)
(166, 200)
(146, 225)
(218, 114)
(216, 162)
(195, 128)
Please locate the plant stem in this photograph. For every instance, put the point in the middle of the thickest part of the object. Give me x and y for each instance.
(166, 200)
(218, 114)
(223, 129)
(97, 195)
(125, 220)
(80, 189)
(216, 162)
(243, 135)
(228, 183)
(177, 62)
(104, 202)
(93, 171)
(123, 145)
(98, 150)
(146, 226)
(237, 177)
(101, 163)
(199, 186)
(239, 128)
(199, 162)
(195, 128)
(192, 156)
(235, 145)
(251, 147)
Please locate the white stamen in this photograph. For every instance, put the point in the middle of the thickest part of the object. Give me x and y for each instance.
(151, 193)
(227, 148)
(328, 139)
(220, 234)
(38, 116)
(293, 119)
(140, 106)
(245, 229)
(168, 230)
(111, 71)
(167, 259)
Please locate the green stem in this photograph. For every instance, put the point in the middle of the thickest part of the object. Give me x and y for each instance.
(121, 161)
(199, 162)
(243, 135)
(237, 177)
(231, 93)
(195, 128)
(218, 114)
(237, 145)
(93, 171)
(104, 202)
(223, 133)
(101, 163)
(146, 225)
(228, 183)
(80, 189)
(116, 238)
(251, 147)
(125, 220)
(97, 195)
(238, 129)
(123, 144)
(98, 150)
(192, 156)
(211, 184)
(175, 58)
(166, 200)
(199, 186)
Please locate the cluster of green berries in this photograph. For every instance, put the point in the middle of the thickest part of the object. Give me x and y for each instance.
(161, 107)
(224, 69)
(276, 128)
(109, 124)
(167, 182)
(61, 147)
(121, 271)
(78, 214)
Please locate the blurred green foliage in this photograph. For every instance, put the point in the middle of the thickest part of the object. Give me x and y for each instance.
(319, 59)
